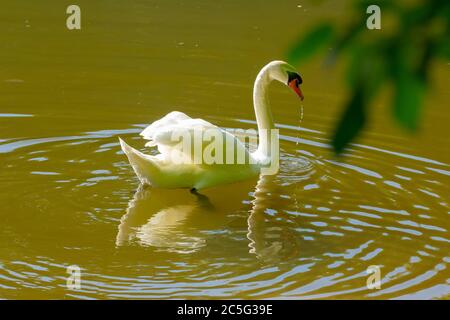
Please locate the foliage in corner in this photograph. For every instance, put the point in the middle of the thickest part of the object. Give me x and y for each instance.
(376, 58)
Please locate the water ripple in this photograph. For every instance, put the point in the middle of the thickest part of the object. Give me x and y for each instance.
(309, 232)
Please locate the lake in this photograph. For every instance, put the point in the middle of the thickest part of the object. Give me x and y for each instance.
(69, 196)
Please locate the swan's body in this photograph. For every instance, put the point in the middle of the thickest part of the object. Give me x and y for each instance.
(162, 171)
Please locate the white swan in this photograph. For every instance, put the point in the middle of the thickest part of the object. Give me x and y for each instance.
(162, 171)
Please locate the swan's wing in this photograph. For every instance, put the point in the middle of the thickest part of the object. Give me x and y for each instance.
(172, 118)
(180, 140)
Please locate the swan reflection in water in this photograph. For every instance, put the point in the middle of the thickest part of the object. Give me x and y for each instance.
(179, 221)
(160, 218)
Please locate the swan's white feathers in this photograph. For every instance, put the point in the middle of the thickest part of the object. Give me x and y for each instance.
(169, 139)
(161, 171)
(171, 118)
(169, 133)
(162, 131)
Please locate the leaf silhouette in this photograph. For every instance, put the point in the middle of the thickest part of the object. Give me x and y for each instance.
(310, 43)
(351, 122)
(409, 93)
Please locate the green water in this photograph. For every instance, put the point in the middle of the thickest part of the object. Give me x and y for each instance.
(69, 197)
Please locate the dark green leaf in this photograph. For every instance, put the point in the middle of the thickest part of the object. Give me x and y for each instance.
(354, 69)
(425, 60)
(352, 121)
(443, 48)
(349, 36)
(310, 43)
(409, 93)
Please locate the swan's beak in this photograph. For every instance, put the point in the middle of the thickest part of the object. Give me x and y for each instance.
(296, 87)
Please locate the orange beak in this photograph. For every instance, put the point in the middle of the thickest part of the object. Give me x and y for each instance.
(294, 86)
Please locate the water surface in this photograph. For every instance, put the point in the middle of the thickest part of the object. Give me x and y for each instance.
(69, 196)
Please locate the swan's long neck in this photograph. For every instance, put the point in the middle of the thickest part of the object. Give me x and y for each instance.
(263, 111)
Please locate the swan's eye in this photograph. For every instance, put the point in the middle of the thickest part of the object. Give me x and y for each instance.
(294, 76)
(294, 81)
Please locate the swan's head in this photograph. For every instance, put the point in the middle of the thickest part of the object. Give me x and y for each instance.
(285, 73)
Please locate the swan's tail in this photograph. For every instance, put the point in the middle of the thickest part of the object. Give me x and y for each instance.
(143, 165)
